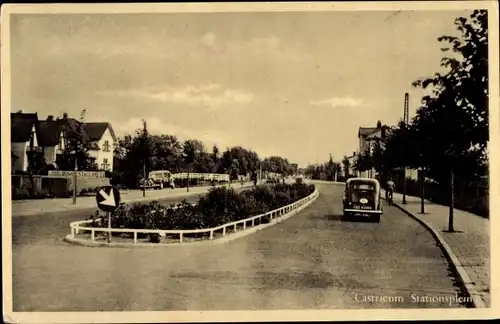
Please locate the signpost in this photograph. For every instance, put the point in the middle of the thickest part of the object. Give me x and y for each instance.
(108, 199)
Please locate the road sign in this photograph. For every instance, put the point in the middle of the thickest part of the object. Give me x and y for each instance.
(108, 198)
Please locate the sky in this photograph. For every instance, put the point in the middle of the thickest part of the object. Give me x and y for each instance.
(293, 84)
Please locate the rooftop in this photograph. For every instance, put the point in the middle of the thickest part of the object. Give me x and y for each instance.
(21, 126)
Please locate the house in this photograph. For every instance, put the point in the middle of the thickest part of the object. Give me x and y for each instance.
(351, 170)
(103, 140)
(23, 134)
(51, 137)
(369, 136)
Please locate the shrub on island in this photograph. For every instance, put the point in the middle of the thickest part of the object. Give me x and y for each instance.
(219, 206)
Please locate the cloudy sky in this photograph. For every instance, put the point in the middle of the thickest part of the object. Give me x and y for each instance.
(295, 84)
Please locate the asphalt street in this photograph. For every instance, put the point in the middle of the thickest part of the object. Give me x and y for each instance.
(311, 261)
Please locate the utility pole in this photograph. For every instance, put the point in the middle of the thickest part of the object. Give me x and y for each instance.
(80, 132)
(260, 172)
(75, 177)
(405, 125)
(144, 143)
(144, 177)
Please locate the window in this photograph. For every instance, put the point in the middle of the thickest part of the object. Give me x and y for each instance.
(106, 146)
(105, 166)
(363, 186)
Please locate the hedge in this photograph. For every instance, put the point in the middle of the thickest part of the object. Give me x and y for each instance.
(221, 205)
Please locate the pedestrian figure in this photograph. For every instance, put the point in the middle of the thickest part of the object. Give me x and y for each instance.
(390, 186)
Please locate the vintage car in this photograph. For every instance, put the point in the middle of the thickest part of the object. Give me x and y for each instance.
(158, 180)
(362, 197)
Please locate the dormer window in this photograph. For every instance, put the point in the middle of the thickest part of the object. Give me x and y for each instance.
(105, 147)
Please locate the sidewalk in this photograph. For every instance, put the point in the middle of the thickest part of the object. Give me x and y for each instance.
(470, 244)
(36, 206)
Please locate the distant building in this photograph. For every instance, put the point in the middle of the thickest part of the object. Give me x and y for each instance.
(368, 137)
(351, 171)
(51, 137)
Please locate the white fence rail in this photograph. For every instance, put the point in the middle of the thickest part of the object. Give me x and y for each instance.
(78, 226)
(202, 176)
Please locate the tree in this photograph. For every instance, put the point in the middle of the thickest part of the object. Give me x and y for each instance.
(191, 151)
(452, 123)
(215, 157)
(166, 152)
(331, 169)
(363, 161)
(347, 166)
(77, 146)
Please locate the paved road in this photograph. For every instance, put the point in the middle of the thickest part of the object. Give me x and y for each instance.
(311, 261)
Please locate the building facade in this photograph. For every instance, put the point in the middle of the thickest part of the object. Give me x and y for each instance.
(51, 137)
(368, 138)
(103, 141)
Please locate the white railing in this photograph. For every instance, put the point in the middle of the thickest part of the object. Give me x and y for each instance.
(202, 176)
(76, 227)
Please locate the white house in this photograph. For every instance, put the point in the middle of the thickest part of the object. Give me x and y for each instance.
(23, 139)
(103, 141)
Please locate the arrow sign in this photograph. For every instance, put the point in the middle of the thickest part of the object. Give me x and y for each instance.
(108, 198)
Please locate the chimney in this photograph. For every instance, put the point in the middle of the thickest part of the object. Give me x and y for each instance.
(50, 118)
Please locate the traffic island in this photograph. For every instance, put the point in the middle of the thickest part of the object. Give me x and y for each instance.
(95, 233)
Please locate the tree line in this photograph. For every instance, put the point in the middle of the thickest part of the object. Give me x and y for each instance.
(328, 171)
(144, 152)
(448, 136)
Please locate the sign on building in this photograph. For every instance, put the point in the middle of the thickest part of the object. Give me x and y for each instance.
(88, 174)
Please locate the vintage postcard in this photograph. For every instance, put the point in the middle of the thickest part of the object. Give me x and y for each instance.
(249, 161)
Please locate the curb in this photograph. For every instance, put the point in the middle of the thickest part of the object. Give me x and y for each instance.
(222, 240)
(464, 279)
